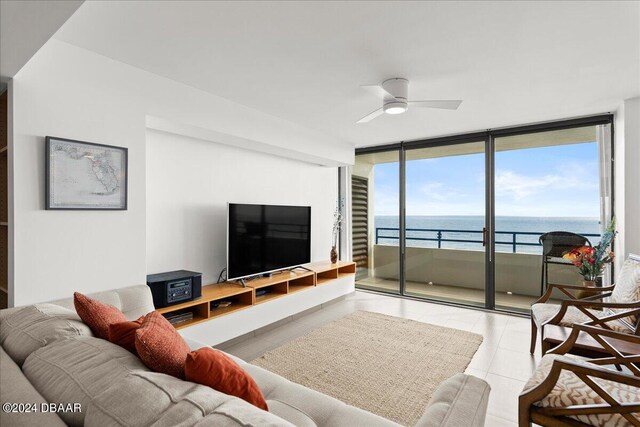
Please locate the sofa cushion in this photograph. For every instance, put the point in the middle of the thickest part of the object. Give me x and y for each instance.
(459, 401)
(124, 334)
(290, 413)
(160, 346)
(35, 326)
(215, 369)
(77, 369)
(17, 389)
(97, 315)
(146, 398)
(132, 301)
(571, 390)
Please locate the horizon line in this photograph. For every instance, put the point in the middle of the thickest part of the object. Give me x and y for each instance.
(498, 216)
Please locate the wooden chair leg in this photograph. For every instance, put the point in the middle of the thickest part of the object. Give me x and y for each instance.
(524, 413)
(534, 336)
(542, 277)
(545, 346)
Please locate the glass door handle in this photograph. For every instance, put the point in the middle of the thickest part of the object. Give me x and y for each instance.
(484, 236)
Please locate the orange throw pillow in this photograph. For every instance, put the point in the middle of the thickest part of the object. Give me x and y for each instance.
(124, 334)
(160, 346)
(97, 315)
(215, 369)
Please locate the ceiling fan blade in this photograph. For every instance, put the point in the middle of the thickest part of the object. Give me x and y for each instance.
(449, 104)
(377, 90)
(371, 116)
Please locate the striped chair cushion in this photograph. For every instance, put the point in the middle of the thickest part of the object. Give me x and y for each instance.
(544, 312)
(627, 288)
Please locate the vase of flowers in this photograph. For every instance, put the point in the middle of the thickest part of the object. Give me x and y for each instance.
(337, 224)
(591, 261)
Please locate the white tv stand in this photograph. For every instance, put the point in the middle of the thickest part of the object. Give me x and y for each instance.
(288, 293)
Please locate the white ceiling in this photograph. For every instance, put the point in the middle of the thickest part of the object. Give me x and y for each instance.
(25, 26)
(511, 62)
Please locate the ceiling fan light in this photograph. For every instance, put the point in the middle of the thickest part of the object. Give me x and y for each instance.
(395, 107)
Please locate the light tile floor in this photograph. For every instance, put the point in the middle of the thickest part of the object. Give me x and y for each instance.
(503, 359)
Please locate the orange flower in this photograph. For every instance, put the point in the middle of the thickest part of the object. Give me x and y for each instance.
(586, 250)
(572, 256)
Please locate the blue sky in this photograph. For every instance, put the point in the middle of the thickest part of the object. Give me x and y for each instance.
(558, 181)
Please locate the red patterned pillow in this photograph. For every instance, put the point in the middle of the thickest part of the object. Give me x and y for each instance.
(215, 369)
(97, 315)
(160, 346)
(124, 334)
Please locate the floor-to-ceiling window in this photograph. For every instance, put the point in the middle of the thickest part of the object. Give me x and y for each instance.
(545, 182)
(445, 222)
(375, 207)
(459, 219)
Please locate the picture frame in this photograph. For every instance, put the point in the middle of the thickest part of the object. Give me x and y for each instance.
(82, 175)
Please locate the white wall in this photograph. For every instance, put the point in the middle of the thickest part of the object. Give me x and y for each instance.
(59, 93)
(73, 93)
(189, 183)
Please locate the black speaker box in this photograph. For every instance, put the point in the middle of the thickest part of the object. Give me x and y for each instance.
(174, 287)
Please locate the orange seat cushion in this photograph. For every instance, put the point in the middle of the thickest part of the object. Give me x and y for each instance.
(160, 346)
(215, 369)
(97, 315)
(124, 334)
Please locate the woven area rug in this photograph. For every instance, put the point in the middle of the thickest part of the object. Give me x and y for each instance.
(382, 364)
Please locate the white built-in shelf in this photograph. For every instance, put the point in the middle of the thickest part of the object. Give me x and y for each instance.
(3, 289)
(3, 150)
(5, 224)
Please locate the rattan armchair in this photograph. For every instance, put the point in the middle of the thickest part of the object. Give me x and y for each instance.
(567, 390)
(614, 308)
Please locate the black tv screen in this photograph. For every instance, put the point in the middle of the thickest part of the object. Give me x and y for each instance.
(266, 238)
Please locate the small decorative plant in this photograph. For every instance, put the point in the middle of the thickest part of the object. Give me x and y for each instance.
(337, 225)
(591, 261)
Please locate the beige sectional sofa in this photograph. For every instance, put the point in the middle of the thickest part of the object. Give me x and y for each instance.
(49, 356)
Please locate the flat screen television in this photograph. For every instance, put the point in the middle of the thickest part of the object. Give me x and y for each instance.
(266, 238)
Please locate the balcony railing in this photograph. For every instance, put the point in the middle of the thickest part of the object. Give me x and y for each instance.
(440, 237)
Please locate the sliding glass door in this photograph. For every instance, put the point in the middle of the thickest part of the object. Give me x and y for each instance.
(463, 219)
(375, 193)
(548, 191)
(445, 233)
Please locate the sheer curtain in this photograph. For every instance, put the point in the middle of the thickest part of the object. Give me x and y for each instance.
(603, 134)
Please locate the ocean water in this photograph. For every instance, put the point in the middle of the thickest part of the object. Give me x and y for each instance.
(469, 229)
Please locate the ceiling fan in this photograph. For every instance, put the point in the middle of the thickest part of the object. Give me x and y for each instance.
(394, 93)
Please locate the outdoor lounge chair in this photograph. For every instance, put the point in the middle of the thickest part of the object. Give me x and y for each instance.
(554, 245)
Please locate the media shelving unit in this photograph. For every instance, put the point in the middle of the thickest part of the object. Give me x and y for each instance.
(279, 285)
(204, 309)
(326, 272)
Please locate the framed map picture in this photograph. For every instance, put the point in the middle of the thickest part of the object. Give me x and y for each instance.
(85, 176)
